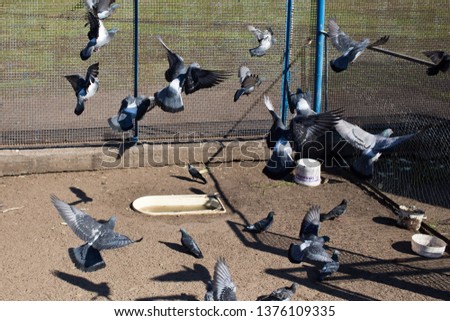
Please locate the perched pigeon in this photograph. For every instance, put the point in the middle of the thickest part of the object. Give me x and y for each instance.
(187, 79)
(281, 294)
(223, 286)
(349, 48)
(188, 242)
(262, 225)
(300, 102)
(196, 174)
(335, 212)
(440, 58)
(248, 82)
(330, 267)
(98, 35)
(131, 108)
(209, 295)
(371, 145)
(281, 161)
(265, 39)
(84, 88)
(103, 8)
(97, 236)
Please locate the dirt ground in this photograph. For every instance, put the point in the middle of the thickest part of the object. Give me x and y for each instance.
(376, 261)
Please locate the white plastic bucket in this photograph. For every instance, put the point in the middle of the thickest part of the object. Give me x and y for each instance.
(307, 172)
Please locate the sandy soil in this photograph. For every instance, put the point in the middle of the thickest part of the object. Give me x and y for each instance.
(377, 262)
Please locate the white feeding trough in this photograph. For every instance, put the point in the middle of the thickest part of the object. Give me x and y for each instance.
(427, 245)
(179, 204)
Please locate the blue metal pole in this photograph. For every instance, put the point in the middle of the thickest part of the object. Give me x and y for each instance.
(135, 138)
(285, 80)
(320, 40)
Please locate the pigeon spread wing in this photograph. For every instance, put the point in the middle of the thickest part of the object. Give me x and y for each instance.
(112, 240)
(176, 63)
(435, 56)
(83, 225)
(197, 78)
(340, 40)
(94, 25)
(92, 72)
(76, 81)
(311, 223)
(355, 135)
(224, 288)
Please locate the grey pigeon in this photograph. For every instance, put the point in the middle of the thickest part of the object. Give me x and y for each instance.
(182, 78)
(282, 294)
(98, 35)
(299, 102)
(131, 108)
(330, 267)
(196, 174)
(281, 161)
(84, 88)
(103, 8)
(349, 48)
(248, 82)
(189, 244)
(209, 295)
(223, 287)
(310, 226)
(335, 212)
(97, 236)
(440, 58)
(265, 41)
(371, 145)
(308, 251)
(262, 225)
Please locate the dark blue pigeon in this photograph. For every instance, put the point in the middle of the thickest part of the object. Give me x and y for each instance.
(131, 108)
(97, 236)
(308, 251)
(440, 58)
(190, 245)
(330, 267)
(223, 287)
(85, 88)
(262, 225)
(195, 174)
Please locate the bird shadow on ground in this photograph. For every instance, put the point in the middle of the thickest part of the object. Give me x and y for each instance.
(184, 178)
(83, 198)
(176, 247)
(101, 289)
(180, 297)
(197, 191)
(198, 273)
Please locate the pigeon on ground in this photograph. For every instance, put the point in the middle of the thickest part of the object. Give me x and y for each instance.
(282, 294)
(265, 39)
(131, 108)
(84, 88)
(209, 295)
(98, 236)
(196, 174)
(98, 35)
(189, 244)
(248, 82)
(103, 8)
(187, 79)
(300, 102)
(223, 287)
(262, 225)
(371, 145)
(440, 58)
(330, 267)
(335, 212)
(281, 161)
(349, 48)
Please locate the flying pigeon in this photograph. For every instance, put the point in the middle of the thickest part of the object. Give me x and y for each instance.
(196, 174)
(131, 108)
(330, 267)
(299, 102)
(98, 236)
(188, 242)
(187, 79)
(84, 88)
(281, 161)
(440, 58)
(209, 295)
(349, 48)
(335, 212)
(103, 8)
(265, 39)
(309, 229)
(262, 225)
(308, 251)
(371, 145)
(223, 287)
(98, 35)
(248, 82)
(281, 294)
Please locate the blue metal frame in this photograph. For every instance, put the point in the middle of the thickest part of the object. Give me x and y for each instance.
(284, 102)
(135, 138)
(320, 40)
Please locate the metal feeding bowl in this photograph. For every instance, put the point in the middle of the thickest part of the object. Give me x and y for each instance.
(427, 245)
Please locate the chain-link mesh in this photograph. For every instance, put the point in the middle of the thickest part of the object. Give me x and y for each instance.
(41, 41)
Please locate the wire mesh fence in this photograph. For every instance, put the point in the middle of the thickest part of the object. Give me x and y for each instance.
(42, 39)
